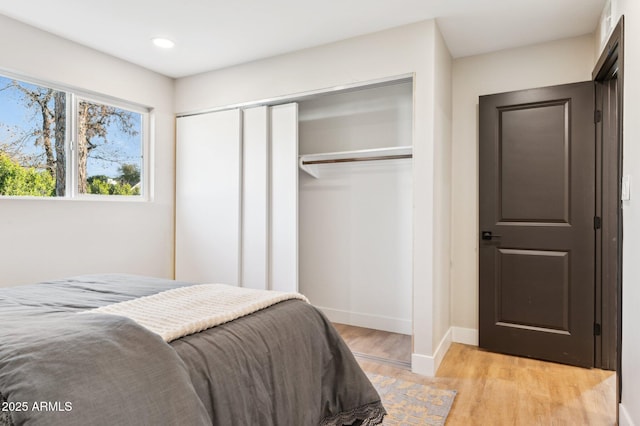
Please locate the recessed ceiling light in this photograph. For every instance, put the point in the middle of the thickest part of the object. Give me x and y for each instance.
(164, 43)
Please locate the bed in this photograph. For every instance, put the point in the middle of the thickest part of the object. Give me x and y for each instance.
(281, 365)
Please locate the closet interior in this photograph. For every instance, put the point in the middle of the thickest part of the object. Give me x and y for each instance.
(313, 195)
(355, 206)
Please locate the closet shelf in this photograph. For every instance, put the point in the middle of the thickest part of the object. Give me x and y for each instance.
(310, 162)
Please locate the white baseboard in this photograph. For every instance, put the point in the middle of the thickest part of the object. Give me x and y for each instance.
(468, 336)
(423, 365)
(428, 365)
(625, 418)
(377, 322)
(442, 349)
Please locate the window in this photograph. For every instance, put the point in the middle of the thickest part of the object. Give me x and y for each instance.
(109, 149)
(58, 144)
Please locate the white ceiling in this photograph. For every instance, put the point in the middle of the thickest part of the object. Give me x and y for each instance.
(211, 34)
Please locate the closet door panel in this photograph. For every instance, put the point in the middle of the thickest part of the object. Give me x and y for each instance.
(284, 197)
(255, 217)
(208, 176)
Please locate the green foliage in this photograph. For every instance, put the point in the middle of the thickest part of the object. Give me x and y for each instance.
(18, 180)
(104, 186)
(125, 184)
(129, 173)
(92, 179)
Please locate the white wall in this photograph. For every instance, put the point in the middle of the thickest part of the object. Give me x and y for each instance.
(355, 221)
(630, 406)
(45, 239)
(442, 175)
(558, 62)
(416, 49)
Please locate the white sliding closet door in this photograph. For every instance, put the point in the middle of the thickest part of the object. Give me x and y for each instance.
(237, 197)
(284, 197)
(208, 176)
(255, 205)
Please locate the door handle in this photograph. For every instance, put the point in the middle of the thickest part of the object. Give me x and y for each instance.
(488, 235)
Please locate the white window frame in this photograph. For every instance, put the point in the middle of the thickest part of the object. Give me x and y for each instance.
(73, 96)
(72, 142)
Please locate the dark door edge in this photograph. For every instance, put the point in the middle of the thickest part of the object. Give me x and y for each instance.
(610, 66)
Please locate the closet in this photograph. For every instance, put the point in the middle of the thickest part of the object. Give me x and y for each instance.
(314, 196)
(355, 206)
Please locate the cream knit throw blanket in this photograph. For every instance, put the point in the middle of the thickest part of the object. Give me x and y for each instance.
(187, 310)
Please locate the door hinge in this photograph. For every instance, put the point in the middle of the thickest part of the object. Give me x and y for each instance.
(597, 222)
(597, 116)
(597, 329)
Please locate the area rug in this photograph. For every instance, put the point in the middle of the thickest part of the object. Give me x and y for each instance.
(409, 403)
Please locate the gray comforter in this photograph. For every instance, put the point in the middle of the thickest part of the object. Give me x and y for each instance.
(285, 365)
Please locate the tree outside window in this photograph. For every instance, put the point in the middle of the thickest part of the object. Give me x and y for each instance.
(34, 159)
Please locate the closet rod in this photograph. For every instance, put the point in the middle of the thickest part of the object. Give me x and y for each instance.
(353, 159)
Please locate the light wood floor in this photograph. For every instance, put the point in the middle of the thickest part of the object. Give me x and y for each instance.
(495, 389)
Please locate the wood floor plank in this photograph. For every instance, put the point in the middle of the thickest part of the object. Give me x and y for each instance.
(497, 389)
(382, 344)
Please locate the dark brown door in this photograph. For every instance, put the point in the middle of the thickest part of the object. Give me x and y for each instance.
(537, 238)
